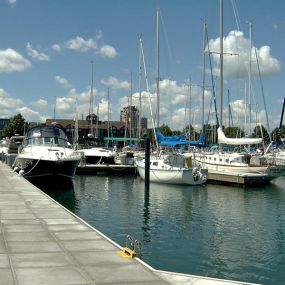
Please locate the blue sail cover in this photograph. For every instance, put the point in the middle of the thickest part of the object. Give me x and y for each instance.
(177, 140)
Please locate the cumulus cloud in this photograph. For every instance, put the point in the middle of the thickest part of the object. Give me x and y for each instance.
(115, 83)
(11, 61)
(108, 51)
(236, 57)
(80, 44)
(7, 102)
(62, 81)
(12, 2)
(35, 54)
(30, 115)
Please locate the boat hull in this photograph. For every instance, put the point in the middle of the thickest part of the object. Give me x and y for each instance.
(174, 176)
(37, 168)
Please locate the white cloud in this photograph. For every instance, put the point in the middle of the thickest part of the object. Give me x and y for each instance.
(35, 54)
(11, 61)
(236, 57)
(12, 2)
(7, 102)
(66, 105)
(108, 51)
(84, 45)
(30, 115)
(115, 83)
(62, 81)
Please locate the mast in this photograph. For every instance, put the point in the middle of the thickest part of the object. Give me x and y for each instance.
(140, 87)
(157, 65)
(221, 62)
(249, 76)
(91, 102)
(108, 115)
(131, 106)
(203, 83)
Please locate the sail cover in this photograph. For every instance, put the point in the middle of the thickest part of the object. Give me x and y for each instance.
(236, 141)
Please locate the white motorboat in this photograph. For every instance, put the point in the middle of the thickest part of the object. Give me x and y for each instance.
(172, 169)
(45, 152)
(92, 153)
(3, 148)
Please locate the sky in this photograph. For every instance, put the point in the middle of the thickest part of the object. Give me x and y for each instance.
(48, 50)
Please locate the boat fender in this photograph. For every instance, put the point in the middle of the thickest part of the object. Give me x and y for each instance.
(22, 172)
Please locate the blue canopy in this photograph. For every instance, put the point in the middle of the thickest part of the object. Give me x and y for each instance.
(178, 140)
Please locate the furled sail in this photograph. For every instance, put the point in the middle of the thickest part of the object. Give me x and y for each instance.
(236, 141)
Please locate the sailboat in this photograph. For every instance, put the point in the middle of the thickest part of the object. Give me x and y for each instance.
(171, 168)
(229, 166)
(92, 152)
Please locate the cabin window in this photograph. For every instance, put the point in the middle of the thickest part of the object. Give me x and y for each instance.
(155, 163)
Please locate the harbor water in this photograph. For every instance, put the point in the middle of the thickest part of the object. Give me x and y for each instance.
(213, 230)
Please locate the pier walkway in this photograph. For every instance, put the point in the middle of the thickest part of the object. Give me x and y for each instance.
(41, 242)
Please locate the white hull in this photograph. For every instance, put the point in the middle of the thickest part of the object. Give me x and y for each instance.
(167, 174)
(236, 164)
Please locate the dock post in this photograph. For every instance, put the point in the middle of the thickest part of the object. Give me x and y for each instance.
(146, 159)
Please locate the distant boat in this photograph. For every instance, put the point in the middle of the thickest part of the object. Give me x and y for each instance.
(172, 169)
(3, 148)
(45, 152)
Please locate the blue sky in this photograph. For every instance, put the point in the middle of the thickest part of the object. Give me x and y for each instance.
(47, 47)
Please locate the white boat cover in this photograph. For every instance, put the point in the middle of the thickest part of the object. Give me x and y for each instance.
(236, 141)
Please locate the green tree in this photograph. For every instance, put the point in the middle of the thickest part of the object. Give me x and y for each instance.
(16, 126)
(166, 130)
(277, 133)
(234, 132)
(261, 132)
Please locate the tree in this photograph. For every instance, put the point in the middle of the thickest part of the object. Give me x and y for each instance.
(17, 125)
(261, 132)
(166, 130)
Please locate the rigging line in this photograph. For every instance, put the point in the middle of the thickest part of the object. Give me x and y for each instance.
(262, 92)
(237, 18)
(170, 54)
(147, 88)
(212, 79)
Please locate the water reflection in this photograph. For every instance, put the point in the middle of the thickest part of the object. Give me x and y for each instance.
(60, 190)
(213, 230)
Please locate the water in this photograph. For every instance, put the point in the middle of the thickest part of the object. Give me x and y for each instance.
(214, 230)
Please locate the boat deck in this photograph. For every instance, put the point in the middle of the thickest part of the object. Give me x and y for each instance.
(41, 242)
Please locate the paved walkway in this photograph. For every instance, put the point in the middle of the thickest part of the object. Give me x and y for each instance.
(41, 242)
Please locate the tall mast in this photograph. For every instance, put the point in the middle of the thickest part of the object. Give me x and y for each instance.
(130, 107)
(140, 87)
(157, 65)
(249, 76)
(91, 101)
(221, 62)
(203, 83)
(108, 116)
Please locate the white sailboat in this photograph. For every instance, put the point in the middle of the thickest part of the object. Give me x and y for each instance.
(223, 165)
(172, 169)
(169, 168)
(93, 153)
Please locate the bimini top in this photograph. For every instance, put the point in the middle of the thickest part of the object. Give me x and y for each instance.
(236, 141)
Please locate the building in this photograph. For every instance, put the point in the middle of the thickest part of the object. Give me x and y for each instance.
(100, 129)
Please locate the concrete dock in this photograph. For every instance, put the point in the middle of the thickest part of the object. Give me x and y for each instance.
(41, 242)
